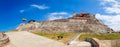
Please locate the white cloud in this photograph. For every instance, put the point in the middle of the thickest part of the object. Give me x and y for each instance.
(41, 7)
(58, 15)
(111, 7)
(21, 11)
(111, 2)
(111, 21)
(112, 10)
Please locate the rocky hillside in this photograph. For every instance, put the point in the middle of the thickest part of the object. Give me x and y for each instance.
(78, 23)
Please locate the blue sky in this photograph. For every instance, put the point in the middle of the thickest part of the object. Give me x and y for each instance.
(12, 11)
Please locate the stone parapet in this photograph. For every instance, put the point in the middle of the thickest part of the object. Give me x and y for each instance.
(4, 40)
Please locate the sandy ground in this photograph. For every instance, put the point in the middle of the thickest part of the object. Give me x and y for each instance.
(27, 39)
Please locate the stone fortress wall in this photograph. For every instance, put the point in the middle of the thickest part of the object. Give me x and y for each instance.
(78, 23)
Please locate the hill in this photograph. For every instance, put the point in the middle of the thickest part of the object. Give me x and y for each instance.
(83, 22)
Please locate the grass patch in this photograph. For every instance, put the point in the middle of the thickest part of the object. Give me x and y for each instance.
(101, 36)
(12, 31)
(66, 36)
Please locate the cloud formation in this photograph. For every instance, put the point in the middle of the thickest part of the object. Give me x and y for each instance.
(58, 15)
(41, 7)
(21, 11)
(111, 7)
(111, 21)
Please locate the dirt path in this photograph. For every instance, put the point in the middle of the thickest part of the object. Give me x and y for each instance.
(27, 39)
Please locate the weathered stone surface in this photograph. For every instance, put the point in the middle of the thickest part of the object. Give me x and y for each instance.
(73, 24)
(4, 39)
(111, 43)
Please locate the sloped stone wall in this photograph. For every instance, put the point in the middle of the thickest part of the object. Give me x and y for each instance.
(4, 39)
(73, 24)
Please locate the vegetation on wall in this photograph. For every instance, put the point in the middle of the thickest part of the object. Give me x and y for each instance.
(111, 36)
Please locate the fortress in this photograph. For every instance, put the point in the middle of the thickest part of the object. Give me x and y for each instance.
(84, 22)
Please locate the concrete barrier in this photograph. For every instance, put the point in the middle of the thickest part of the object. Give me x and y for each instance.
(103, 43)
(115, 43)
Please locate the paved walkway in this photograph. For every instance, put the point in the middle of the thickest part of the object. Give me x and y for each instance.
(80, 44)
(74, 39)
(74, 43)
(26, 39)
